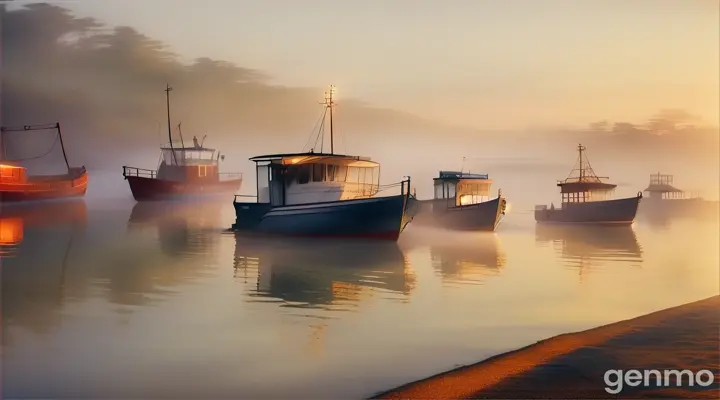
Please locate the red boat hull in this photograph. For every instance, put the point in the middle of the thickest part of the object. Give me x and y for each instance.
(70, 185)
(153, 189)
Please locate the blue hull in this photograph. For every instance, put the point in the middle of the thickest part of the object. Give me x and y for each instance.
(377, 218)
(608, 212)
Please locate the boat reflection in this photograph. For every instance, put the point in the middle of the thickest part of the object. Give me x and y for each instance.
(459, 257)
(589, 247)
(311, 273)
(183, 228)
(37, 242)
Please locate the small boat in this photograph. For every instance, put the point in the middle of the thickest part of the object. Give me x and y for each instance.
(462, 202)
(667, 200)
(323, 195)
(183, 172)
(586, 199)
(16, 185)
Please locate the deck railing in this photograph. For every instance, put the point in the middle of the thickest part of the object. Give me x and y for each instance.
(140, 172)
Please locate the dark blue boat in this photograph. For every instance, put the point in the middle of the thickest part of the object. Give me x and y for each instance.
(323, 195)
(586, 200)
(462, 202)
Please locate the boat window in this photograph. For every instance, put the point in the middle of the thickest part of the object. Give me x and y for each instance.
(263, 184)
(353, 175)
(331, 172)
(439, 192)
(303, 173)
(341, 172)
(202, 170)
(450, 190)
(318, 172)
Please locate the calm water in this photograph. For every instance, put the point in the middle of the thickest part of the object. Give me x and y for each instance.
(105, 299)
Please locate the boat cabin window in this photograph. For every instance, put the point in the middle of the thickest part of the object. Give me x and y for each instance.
(587, 196)
(188, 157)
(444, 190)
(306, 173)
(472, 192)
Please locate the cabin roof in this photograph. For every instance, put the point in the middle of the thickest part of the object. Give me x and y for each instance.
(310, 157)
(458, 175)
(663, 188)
(186, 148)
(578, 186)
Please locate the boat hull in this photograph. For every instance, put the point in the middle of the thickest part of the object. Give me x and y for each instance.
(608, 212)
(153, 189)
(372, 218)
(483, 216)
(70, 185)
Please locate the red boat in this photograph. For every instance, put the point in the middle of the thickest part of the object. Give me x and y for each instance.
(16, 185)
(183, 172)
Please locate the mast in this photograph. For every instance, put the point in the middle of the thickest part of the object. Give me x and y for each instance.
(329, 103)
(62, 146)
(167, 100)
(582, 170)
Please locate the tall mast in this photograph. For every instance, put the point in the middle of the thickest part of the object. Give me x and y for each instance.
(329, 103)
(582, 171)
(167, 98)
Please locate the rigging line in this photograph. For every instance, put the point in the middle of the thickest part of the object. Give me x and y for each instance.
(57, 138)
(321, 129)
(312, 133)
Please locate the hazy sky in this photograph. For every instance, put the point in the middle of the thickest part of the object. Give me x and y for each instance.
(488, 63)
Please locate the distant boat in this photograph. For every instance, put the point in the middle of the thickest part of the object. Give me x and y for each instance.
(586, 199)
(323, 195)
(183, 171)
(16, 185)
(664, 198)
(462, 202)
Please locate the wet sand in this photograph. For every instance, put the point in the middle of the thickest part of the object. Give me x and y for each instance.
(572, 366)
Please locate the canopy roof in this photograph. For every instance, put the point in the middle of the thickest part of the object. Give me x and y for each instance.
(316, 158)
(458, 175)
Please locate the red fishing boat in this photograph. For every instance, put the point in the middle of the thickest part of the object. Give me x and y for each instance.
(17, 185)
(183, 171)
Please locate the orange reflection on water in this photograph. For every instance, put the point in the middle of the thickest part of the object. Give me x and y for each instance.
(11, 231)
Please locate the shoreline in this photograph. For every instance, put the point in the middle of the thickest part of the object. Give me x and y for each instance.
(572, 365)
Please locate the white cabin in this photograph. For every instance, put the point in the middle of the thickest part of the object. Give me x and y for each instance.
(462, 188)
(306, 178)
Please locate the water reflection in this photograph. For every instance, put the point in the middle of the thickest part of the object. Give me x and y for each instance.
(183, 228)
(459, 257)
(37, 242)
(135, 273)
(592, 247)
(325, 274)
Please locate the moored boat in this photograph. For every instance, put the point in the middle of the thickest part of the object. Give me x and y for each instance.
(183, 172)
(462, 202)
(17, 185)
(586, 199)
(323, 195)
(664, 199)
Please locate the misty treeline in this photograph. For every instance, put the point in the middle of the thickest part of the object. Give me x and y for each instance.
(665, 122)
(106, 86)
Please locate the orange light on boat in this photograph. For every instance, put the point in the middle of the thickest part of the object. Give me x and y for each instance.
(11, 231)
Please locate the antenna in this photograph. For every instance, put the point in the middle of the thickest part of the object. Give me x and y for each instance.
(203, 140)
(330, 104)
(168, 89)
